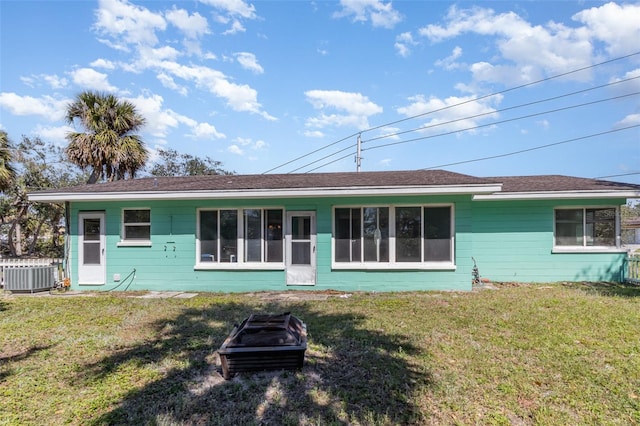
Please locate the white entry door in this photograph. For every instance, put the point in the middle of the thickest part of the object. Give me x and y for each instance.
(91, 249)
(301, 248)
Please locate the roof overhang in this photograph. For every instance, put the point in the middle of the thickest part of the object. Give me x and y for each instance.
(57, 197)
(555, 195)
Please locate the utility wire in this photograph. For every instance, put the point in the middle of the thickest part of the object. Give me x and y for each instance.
(501, 92)
(492, 157)
(332, 161)
(323, 158)
(501, 121)
(501, 110)
(310, 153)
(449, 107)
(620, 175)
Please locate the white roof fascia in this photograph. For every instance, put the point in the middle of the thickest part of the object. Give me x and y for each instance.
(555, 195)
(53, 197)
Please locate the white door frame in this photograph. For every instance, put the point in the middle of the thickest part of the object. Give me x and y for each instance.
(300, 267)
(92, 265)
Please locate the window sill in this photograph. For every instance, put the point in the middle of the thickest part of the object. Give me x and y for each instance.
(560, 250)
(234, 266)
(409, 266)
(134, 244)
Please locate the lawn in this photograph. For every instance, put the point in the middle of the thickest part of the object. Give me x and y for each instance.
(520, 355)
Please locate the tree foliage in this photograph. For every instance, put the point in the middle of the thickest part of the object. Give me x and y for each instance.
(109, 146)
(29, 227)
(172, 163)
(7, 172)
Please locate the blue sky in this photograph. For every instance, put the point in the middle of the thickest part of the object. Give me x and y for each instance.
(257, 85)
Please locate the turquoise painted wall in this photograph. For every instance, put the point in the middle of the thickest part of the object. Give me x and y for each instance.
(513, 241)
(173, 224)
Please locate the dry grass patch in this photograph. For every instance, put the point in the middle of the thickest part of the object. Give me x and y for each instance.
(556, 354)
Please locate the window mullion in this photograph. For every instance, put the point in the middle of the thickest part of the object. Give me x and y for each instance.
(361, 242)
(263, 238)
(584, 227)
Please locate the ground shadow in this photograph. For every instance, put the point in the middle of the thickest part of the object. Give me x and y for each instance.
(7, 360)
(607, 288)
(352, 374)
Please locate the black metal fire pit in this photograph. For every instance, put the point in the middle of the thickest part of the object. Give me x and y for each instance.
(264, 342)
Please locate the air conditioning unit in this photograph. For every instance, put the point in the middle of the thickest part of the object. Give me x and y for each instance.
(33, 278)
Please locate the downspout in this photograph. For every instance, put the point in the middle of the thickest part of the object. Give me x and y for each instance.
(67, 239)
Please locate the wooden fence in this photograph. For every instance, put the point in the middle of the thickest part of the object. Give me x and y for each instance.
(633, 270)
(25, 263)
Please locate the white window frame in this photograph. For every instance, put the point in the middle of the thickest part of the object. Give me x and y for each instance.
(134, 242)
(393, 264)
(584, 248)
(240, 262)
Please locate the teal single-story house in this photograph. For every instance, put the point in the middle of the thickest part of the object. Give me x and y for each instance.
(369, 231)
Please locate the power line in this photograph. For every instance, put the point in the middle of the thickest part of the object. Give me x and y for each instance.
(502, 91)
(501, 121)
(323, 158)
(332, 161)
(445, 108)
(310, 153)
(620, 175)
(492, 157)
(566, 95)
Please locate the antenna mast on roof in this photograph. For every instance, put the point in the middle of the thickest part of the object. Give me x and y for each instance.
(358, 157)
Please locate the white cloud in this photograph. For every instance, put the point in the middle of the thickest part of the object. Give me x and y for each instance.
(313, 134)
(235, 149)
(206, 131)
(617, 25)
(452, 113)
(128, 24)
(629, 120)
(249, 62)
(249, 143)
(404, 43)
(159, 121)
(52, 80)
(379, 13)
(532, 50)
(355, 109)
(91, 79)
(236, 27)
(150, 56)
(53, 134)
(103, 63)
(233, 7)
(389, 133)
(627, 86)
(449, 63)
(193, 26)
(46, 106)
(168, 82)
(240, 97)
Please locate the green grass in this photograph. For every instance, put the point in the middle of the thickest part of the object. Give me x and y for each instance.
(520, 355)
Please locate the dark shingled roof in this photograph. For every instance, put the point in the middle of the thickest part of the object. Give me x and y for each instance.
(419, 178)
(283, 181)
(554, 183)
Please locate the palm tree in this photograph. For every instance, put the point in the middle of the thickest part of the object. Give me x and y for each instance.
(7, 172)
(109, 146)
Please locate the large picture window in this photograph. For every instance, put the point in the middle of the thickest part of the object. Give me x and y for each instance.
(240, 236)
(400, 235)
(585, 227)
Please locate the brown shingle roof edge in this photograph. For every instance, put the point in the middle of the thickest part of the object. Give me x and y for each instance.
(342, 181)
